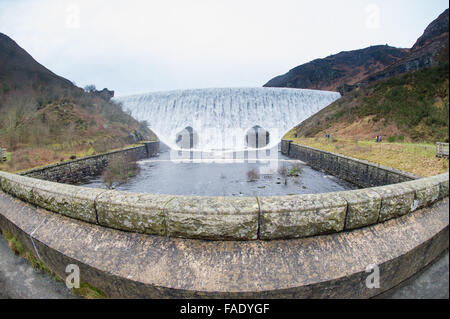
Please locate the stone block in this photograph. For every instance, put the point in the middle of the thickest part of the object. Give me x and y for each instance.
(142, 213)
(363, 208)
(18, 186)
(301, 215)
(72, 201)
(216, 218)
(68, 200)
(396, 200)
(426, 191)
(443, 180)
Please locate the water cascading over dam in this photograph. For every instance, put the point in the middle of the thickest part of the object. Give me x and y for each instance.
(221, 118)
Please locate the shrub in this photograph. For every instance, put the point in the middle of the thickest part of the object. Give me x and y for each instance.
(284, 171)
(119, 170)
(252, 175)
(391, 139)
(6, 88)
(296, 169)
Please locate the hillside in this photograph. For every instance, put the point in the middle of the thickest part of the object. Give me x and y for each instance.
(429, 50)
(413, 106)
(20, 72)
(349, 67)
(408, 100)
(348, 70)
(45, 118)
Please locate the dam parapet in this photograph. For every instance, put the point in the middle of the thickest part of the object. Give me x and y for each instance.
(237, 218)
(131, 241)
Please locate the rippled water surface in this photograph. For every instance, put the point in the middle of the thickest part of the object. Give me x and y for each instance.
(161, 175)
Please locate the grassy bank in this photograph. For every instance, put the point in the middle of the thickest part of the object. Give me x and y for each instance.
(415, 158)
(413, 107)
(45, 156)
(39, 129)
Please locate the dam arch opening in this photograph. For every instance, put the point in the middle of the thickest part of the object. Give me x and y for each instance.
(257, 137)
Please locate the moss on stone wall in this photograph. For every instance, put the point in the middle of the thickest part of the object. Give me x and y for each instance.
(19, 249)
(89, 292)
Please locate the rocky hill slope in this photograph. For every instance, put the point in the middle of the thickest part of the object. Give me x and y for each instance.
(409, 100)
(413, 106)
(348, 67)
(347, 70)
(429, 50)
(46, 118)
(19, 71)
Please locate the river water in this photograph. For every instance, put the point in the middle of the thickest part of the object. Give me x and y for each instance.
(167, 174)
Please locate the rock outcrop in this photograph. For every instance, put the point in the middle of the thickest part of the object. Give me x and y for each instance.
(348, 67)
(429, 50)
(105, 94)
(346, 71)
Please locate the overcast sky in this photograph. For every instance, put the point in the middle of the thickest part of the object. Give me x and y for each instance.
(141, 46)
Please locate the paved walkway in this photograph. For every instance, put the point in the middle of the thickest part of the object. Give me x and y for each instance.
(430, 283)
(18, 279)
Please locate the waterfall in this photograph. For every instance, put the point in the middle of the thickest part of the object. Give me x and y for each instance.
(221, 117)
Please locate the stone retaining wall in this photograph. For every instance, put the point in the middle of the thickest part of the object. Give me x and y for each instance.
(232, 218)
(127, 265)
(229, 218)
(358, 172)
(83, 169)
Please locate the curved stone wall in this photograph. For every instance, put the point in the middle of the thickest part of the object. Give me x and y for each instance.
(83, 169)
(355, 171)
(129, 265)
(230, 218)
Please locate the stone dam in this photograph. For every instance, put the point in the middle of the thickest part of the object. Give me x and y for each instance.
(138, 245)
(220, 118)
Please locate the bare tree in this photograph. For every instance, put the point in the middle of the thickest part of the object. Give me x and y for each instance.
(90, 88)
(296, 170)
(284, 171)
(119, 170)
(252, 175)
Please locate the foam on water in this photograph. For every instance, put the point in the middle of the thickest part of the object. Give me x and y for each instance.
(221, 117)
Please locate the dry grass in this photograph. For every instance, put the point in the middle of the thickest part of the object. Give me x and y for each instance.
(26, 157)
(416, 158)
